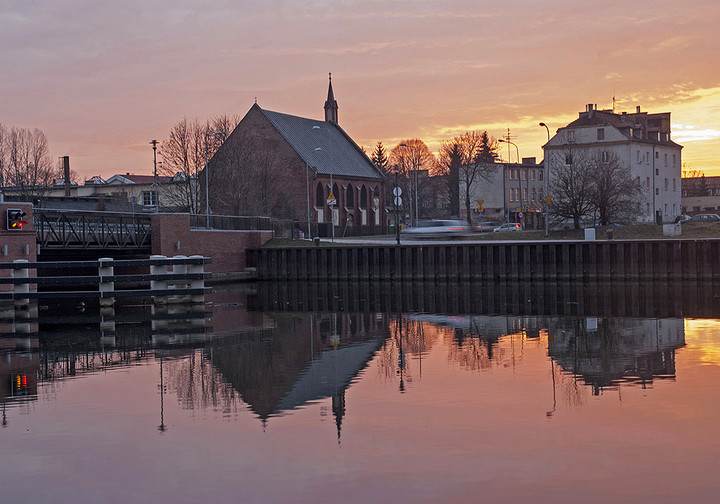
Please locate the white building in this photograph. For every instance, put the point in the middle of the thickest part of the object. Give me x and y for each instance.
(639, 141)
(514, 193)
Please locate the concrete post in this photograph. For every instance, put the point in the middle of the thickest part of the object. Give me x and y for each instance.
(106, 285)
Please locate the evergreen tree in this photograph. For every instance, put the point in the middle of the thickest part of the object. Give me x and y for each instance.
(379, 157)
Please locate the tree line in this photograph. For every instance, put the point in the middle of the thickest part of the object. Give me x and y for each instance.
(25, 162)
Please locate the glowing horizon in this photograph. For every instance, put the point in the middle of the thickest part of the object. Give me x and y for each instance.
(103, 80)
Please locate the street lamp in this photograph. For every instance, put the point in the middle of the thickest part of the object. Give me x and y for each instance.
(207, 180)
(416, 166)
(155, 186)
(519, 169)
(547, 182)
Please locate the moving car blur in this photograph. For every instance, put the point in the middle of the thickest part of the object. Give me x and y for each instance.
(437, 229)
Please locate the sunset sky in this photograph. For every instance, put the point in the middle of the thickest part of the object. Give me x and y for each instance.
(102, 79)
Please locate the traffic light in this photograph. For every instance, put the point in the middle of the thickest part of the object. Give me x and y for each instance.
(15, 219)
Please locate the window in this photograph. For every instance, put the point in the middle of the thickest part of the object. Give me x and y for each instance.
(666, 208)
(674, 185)
(532, 194)
(657, 171)
(647, 183)
(605, 157)
(517, 175)
(674, 159)
(601, 133)
(647, 157)
(666, 184)
(571, 135)
(540, 175)
(665, 159)
(657, 155)
(149, 198)
(523, 173)
(657, 191)
(568, 159)
(532, 174)
(638, 182)
(638, 156)
(320, 195)
(350, 197)
(363, 197)
(524, 194)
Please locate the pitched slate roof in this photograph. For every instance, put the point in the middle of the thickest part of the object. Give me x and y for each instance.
(324, 146)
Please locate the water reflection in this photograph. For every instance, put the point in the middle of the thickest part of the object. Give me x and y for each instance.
(272, 349)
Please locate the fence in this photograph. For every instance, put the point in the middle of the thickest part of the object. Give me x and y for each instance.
(185, 280)
(607, 260)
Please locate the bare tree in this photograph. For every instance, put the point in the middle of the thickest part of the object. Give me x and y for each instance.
(190, 146)
(614, 193)
(3, 155)
(693, 181)
(28, 165)
(477, 152)
(572, 185)
(407, 159)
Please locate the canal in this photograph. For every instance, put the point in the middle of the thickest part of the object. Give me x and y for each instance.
(367, 392)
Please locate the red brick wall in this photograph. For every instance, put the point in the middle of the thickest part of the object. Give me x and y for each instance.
(172, 236)
(16, 241)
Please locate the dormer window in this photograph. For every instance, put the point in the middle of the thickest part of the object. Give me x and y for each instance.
(601, 133)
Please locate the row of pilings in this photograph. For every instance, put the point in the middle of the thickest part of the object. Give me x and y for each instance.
(514, 261)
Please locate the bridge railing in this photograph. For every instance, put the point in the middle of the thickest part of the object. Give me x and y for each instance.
(80, 229)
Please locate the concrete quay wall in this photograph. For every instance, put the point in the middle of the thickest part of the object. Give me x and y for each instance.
(537, 260)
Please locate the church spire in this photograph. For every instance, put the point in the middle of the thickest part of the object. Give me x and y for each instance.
(331, 106)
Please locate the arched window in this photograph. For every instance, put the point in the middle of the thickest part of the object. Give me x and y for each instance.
(376, 198)
(319, 196)
(336, 194)
(350, 197)
(363, 197)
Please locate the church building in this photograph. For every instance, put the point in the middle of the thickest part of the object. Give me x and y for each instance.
(291, 167)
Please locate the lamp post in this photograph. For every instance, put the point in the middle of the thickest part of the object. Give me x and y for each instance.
(307, 182)
(155, 186)
(207, 180)
(547, 182)
(519, 177)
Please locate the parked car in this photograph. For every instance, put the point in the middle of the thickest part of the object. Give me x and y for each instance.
(682, 218)
(485, 227)
(706, 217)
(437, 229)
(508, 226)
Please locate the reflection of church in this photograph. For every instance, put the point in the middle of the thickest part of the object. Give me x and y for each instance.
(305, 358)
(609, 352)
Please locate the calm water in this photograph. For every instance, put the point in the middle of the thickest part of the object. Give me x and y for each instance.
(367, 393)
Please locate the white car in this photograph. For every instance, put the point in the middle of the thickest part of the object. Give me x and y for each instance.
(509, 226)
(438, 229)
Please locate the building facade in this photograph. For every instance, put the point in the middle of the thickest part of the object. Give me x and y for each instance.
(515, 192)
(700, 195)
(304, 169)
(640, 142)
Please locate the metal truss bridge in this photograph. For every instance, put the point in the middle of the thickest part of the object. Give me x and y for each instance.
(67, 229)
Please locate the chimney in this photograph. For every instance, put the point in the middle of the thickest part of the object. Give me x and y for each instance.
(66, 174)
(637, 109)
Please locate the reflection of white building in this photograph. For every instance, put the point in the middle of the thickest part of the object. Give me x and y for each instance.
(641, 143)
(606, 351)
